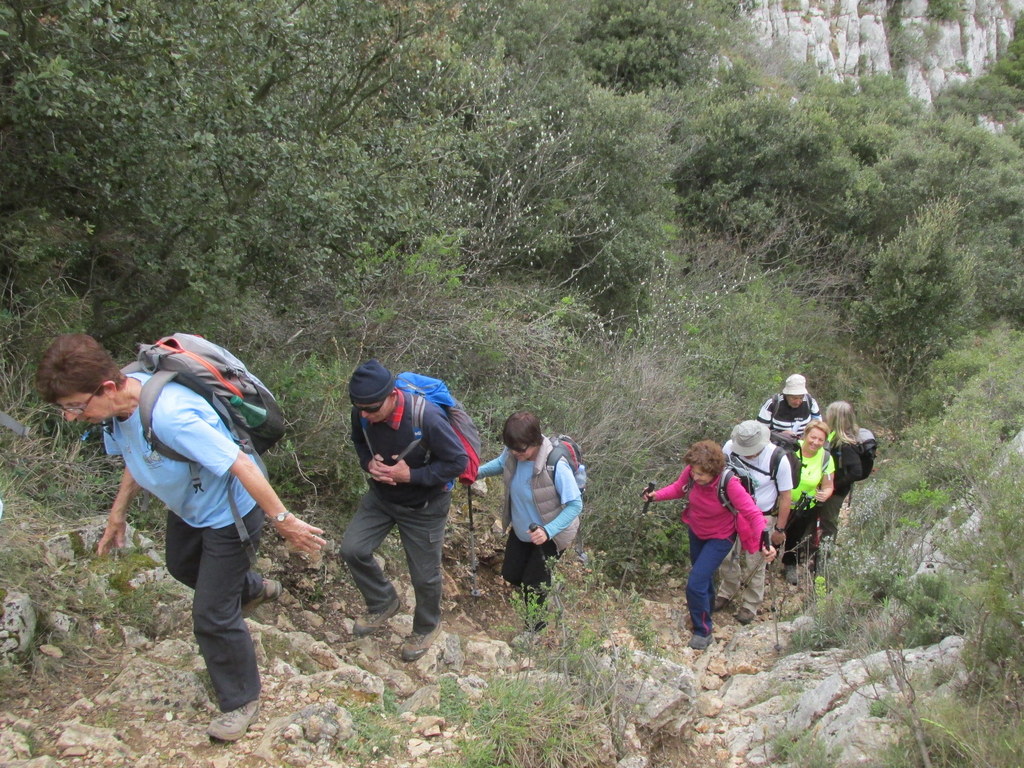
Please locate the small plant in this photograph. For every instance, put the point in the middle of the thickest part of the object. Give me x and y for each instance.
(640, 624)
(879, 708)
(454, 706)
(802, 749)
(534, 725)
(944, 10)
(375, 736)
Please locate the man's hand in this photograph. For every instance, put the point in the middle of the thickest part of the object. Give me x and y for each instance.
(113, 536)
(300, 534)
(389, 474)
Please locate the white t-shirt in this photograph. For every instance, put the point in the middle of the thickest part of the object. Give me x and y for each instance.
(765, 491)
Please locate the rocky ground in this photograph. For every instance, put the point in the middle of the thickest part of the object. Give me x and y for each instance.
(127, 700)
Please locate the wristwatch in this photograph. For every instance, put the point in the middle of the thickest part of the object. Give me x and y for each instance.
(779, 530)
(282, 517)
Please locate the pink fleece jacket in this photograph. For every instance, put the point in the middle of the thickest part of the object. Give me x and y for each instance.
(709, 519)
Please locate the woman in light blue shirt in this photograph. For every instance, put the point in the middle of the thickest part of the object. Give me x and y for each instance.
(541, 508)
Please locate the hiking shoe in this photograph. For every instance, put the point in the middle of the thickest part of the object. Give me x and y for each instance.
(270, 592)
(791, 575)
(371, 622)
(721, 602)
(700, 642)
(416, 645)
(745, 616)
(231, 726)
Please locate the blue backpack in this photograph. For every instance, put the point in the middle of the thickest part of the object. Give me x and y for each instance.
(426, 388)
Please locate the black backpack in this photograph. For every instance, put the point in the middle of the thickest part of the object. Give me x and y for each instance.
(790, 451)
(723, 496)
(867, 448)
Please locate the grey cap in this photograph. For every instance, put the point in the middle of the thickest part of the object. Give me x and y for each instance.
(749, 437)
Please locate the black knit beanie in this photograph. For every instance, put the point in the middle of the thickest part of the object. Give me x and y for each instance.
(370, 383)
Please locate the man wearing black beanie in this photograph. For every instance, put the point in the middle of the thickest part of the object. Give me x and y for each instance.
(411, 476)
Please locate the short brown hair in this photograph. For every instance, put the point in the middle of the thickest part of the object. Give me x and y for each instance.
(75, 363)
(706, 457)
(522, 430)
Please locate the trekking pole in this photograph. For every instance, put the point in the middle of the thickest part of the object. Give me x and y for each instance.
(474, 563)
(625, 570)
(775, 606)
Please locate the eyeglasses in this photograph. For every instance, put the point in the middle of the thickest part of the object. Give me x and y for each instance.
(371, 408)
(519, 448)
(78, 410)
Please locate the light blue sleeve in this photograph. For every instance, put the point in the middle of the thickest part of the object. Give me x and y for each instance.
(569, 493)
(189, 431)
(494, 467)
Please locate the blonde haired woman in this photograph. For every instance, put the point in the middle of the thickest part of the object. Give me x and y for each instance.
(843, 443)
(815, 487)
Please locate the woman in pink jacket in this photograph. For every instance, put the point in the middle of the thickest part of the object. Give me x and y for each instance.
(713, 527)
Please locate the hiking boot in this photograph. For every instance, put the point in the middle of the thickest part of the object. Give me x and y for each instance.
(721, 602)
(700, 642)
(416, 645)
(371, 622)
(270, 592)
(231, 726)
(790, 575)
(745, 616)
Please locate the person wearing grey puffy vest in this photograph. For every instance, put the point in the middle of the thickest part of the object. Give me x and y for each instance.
(541, 510)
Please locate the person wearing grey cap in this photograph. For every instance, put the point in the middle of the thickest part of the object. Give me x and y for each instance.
(750, 453)
(787, 413)
(410, 479)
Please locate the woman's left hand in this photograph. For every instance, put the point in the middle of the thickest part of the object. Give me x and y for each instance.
(538, 535)
(822, 494)
(769, 554)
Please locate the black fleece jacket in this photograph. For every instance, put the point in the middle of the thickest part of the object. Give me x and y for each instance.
(434, 463)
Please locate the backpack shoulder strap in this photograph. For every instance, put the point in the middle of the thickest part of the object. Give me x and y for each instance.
(418, 405)
(778, 455)
(151, 390)
(687, 488)
(559, 450)
(735, 457)
(723, 494)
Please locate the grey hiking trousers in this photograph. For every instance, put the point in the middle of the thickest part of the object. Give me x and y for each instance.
(422, 532)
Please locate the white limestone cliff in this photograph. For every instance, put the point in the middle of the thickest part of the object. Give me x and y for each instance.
(849, 39)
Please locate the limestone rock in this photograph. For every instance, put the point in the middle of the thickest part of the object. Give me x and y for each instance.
(17, 623)
(84, 739)
(489, 655)
(847, 39)
(657, 692)
(147, 685)
(315, 730)
(340, 683)
(427, 697)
